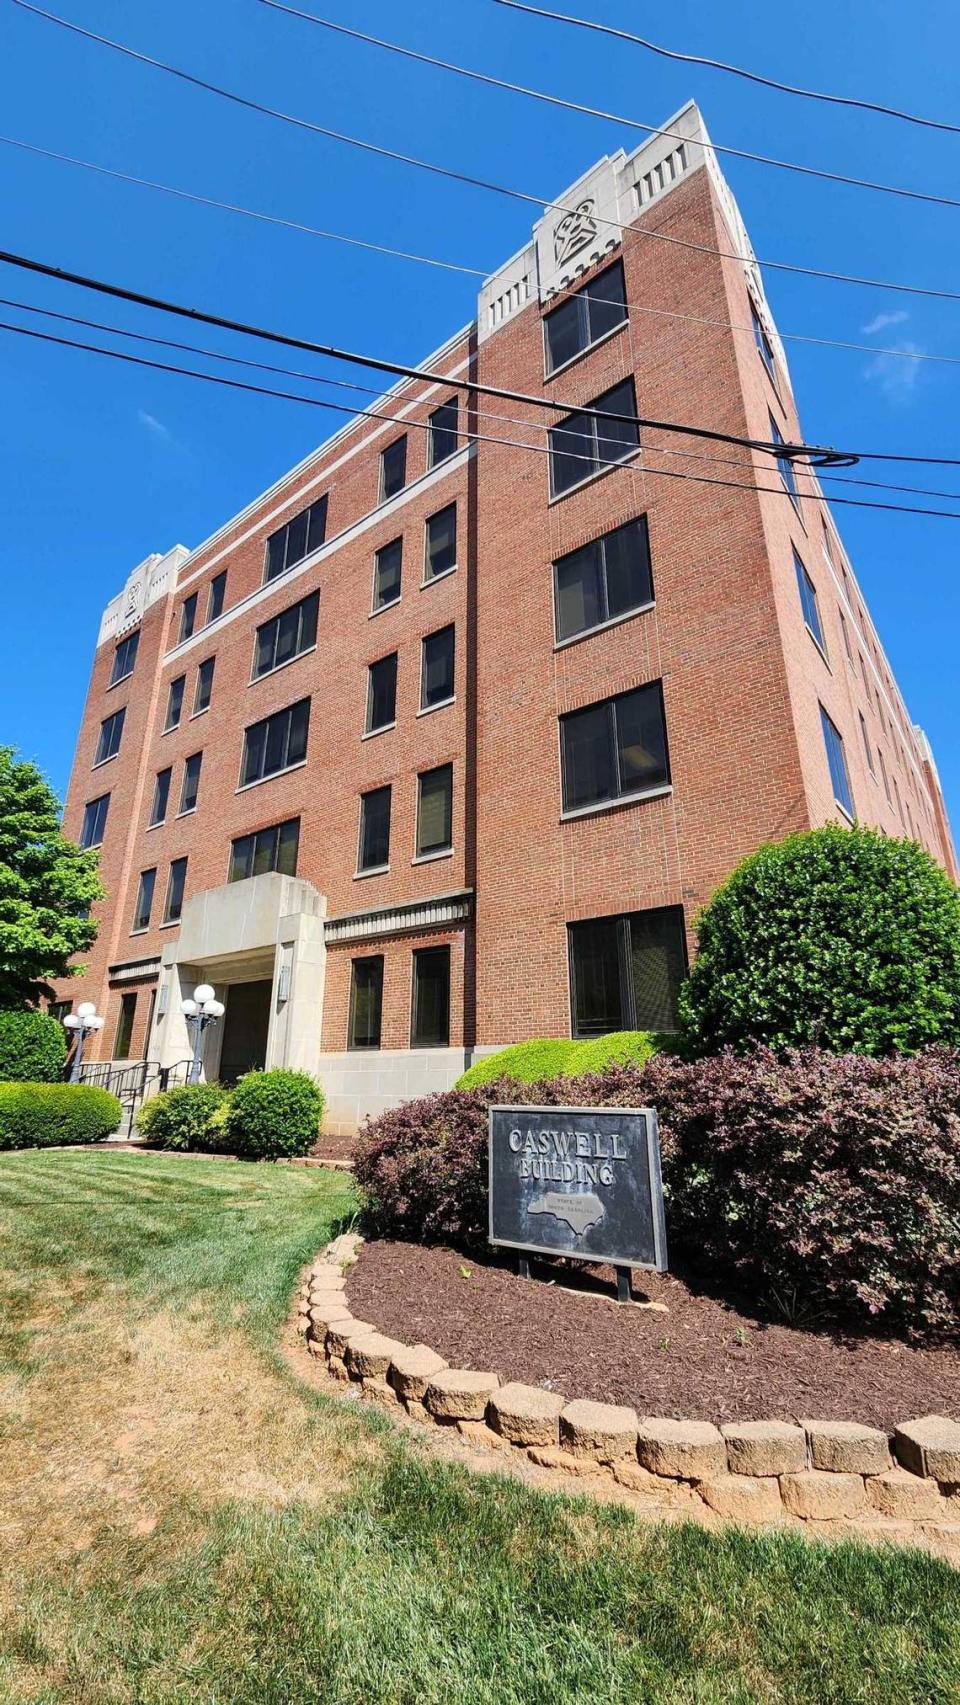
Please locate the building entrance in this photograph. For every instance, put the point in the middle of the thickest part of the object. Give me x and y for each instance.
(245, 1026)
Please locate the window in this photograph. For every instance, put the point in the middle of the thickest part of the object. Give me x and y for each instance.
(366, 1002)
(94, 821)
(435, 811)
(866, 743)
(785, 465)
(430, 1021)
(276, 743)
(124, 658)
(613, 749)
(442, 434)
(188, 616)
(441, 543)
(144, 905)
(866, 677)
(827, 547)
(124, 1036)
(393, 469)
(382, 694)
(286, 636)
(762, 342)
(191, 783)
(837, 760)
(176, 881)
(111, 730)
(884, 777)
(625, 973)
(581, 445)
(374, 849)
(436, 672)
(175, 703)
(896, 794)
(603, 580)
(218, 587)
(59, 1010)
(808, 602)
(387, 567)
(201, 698)
(161, 794)
(585, 318)
(290, 544)
(848, 648)
(275, 848)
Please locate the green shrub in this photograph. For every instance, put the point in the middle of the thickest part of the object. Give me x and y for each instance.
(33, 1047)
(839, 938)
(274, 1115)
(189, 1118)
(543, 1061)
(45, 1115)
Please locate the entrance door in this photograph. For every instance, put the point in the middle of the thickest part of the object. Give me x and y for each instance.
(245, 1025)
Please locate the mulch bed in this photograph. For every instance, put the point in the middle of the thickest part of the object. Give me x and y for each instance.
(699, 1360)
(335, 1148)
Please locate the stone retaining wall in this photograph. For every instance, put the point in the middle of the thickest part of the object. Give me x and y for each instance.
(835, 1472)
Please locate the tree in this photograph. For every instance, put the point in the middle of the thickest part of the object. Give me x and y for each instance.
(47, 885)
(837, 937)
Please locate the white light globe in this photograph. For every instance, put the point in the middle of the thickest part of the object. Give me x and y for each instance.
(86, 1009)
(71, 1021)
(213, 1009)
(202, 993)
(188, 1008)
(96, 1022)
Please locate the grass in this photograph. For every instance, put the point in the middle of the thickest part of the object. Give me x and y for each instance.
(181, 1520)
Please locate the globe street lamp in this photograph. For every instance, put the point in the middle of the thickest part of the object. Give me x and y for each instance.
(82, 1024)
(202, 1010)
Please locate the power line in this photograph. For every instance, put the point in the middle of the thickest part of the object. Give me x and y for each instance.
(740, 71)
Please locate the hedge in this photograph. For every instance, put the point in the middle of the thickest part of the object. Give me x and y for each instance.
(33, 1047)
(274, 1115)
(533, 1062)
(45, 1115)
(190, 1117)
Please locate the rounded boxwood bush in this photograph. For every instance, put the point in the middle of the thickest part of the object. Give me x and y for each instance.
(33, 1048)
(188, 1118)
(538, 1061)
(46, 1115)
(274, 1115)
(838, 938)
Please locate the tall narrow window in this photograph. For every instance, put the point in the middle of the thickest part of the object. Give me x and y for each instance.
(176, 882)
(435, 811)
(382, 694)
(603, 580)
(436, 675)
(215, 597)
(144, 905)
(124, 1036)
(292, 542)
(174, 703)
(161, 794)
(111, 731)
(188, 616)
(615, 748)
(268, 849)
(374, 849)
(94, 821)
(625, 972)
(866, 743)
(204, 690)
(124, 658)
(884, 776)
(191, 783)
(430, 1019)
(837, 762)
(441, 543)
(286, 636)
(443, 431)
(387, 568)
(808, 602)
(393, 469)
(583, 319)
(848, 648)
(276, 743)
(762, 342)
(366, 1002)
(582, 444)
(785, 465)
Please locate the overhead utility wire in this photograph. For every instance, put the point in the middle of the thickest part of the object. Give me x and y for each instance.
(741, 71)
(573, 106)
(485, 438)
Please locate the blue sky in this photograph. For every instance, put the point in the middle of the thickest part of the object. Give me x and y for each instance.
(102, 464)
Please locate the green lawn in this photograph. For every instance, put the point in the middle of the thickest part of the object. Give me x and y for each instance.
(181, 1520)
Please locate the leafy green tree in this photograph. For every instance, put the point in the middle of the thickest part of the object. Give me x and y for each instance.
(47, 884)
(837, 937)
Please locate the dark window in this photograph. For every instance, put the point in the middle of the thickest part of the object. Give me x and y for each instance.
(290, 544)
(174, 703)
(762, 342)
(603, 580)
(144, 906)
(582, 319)
(191, 783)
(374, 850)
(366, 1002)
(625, 973)
(435, 810)
(124, 658)
(94, 821)
(188, 616)
(883, 772)
(161, 794)
(176, 881)
(111, 730)
(808, 602)
(785, 465)
(286, 635)
(441, 553)
(218, 587)
(276, 743)
(382, 693)
(59, 1010)
(846, 634)
(393, 469)
(387, 567)
(613, 749)
(124, 1036)
(275, 848)
(581, 445)
(436, 675)
(866, 743)
(204, 690)
(836, 758)
(443, 432)
(430, 1022)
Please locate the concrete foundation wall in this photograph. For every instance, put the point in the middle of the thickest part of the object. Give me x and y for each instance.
(362, 1083)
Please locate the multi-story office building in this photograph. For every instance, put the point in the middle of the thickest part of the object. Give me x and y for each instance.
(442, 742)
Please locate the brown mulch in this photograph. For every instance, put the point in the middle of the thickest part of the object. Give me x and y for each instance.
(701, 1359)
(335, 1148)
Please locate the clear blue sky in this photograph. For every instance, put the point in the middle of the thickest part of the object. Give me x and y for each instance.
(102, 464)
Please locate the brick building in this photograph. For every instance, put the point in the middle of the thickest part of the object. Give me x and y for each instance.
(442, 743)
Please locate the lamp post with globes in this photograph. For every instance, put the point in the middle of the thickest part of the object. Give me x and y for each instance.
(202, 1010)
(82, 1024)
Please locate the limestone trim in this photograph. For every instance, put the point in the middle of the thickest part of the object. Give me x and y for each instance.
(440, 911)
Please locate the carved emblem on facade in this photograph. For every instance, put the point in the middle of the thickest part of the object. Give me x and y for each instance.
(132, 602)
(574, 231)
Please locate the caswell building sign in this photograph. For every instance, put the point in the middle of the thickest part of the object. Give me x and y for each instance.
(578, 1181)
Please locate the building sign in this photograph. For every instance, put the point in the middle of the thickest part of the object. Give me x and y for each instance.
(579, 1181)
